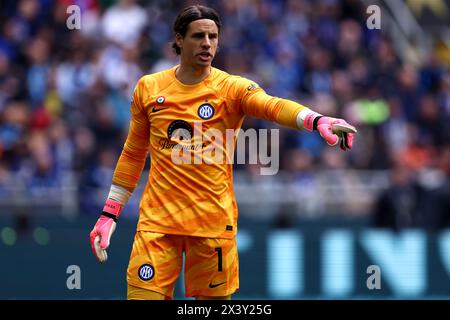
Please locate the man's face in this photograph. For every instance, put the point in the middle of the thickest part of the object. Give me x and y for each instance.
(199, 45)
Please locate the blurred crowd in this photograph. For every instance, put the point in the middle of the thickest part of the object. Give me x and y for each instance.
(65, 94)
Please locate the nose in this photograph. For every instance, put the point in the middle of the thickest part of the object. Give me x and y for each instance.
(206, 43)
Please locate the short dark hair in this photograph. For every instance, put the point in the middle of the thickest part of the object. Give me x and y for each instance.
(189, 14)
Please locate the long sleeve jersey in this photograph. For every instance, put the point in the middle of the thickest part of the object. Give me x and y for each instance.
(189, 190)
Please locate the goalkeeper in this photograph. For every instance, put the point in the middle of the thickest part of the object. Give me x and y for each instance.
(191, 208)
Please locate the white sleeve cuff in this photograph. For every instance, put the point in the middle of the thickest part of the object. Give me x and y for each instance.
(119, 193)
(305, 119)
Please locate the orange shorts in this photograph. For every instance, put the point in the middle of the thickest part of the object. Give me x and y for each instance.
(211, 266)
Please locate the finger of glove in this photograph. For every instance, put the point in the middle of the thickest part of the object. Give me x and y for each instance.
(342, 126)
(348, 140)
(95, 245)
(326, 133)
(342, 144)
(92, 237)
(101, 254)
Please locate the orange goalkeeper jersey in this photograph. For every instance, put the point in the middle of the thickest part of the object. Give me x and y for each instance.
(177, 122)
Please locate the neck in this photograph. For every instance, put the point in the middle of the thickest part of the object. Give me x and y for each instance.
(191, 75)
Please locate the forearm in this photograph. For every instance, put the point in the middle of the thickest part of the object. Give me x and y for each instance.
(129, 168)
(282, 111)
(294, 115)
(134, 153)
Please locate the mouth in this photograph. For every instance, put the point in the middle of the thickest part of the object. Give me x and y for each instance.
(205, 56)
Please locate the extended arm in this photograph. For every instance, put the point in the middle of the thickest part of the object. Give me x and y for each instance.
(125, 179)
(294, 115)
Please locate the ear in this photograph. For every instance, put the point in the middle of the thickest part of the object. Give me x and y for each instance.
(179, 40)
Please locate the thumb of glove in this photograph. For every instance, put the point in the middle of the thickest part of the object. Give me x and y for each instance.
(326, 132)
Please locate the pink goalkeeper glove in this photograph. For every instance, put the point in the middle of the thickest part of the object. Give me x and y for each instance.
(104, 228)
(333, 130)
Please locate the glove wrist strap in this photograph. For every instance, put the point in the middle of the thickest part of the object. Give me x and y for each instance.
(109, 215)
(315, 122)
(308, 119)
(112, 209)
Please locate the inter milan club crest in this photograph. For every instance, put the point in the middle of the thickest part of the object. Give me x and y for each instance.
(146, 272)
(205, 111)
